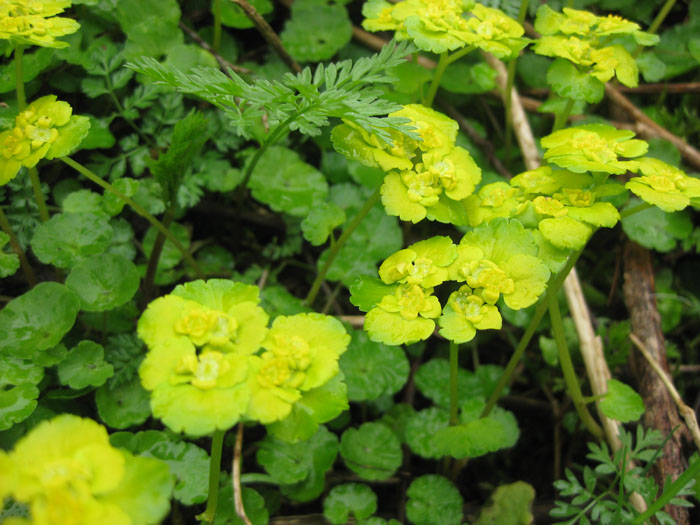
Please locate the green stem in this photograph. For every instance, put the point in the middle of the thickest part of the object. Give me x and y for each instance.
(122, 113)
(668, 494)
(14, 244)
(459, 54)
(147, 285)
(437, 76)
(333, 251)
(665, 9)
(561, 118)
(510, 80)
(567, 367)
(635, 209)
(217, 444)
(454, 394)
(216, 44)
(19, 78)
(138, 209)
(553, 287)
(275, 135)
(38, 194)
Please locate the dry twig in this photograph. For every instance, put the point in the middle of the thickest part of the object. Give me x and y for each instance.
(236, 476)
(223, 63)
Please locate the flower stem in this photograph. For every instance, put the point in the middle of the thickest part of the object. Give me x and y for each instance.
(437, 76)
(665, 9)
(217, 444)
(553, 287)
(147, 285)
(138, 209)
(561, 118)
(216, 44)
(454, 394)
(14, 244)
(333, 251)
(38, 194)
(635, 209)
(567, 368)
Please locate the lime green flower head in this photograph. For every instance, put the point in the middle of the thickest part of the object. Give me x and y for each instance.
(593, 147)
(494, 32)
(67, 472)
(664, 186)
(32, 22)
(499, 258)
(423, 263)
(437, 131)
(214, 315)
(403, 316)
(465, 313)
(498, 199)
(433, 189)
(45, 129)
(302, 353)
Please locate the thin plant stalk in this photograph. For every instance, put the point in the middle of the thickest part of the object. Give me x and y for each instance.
(635, 209)
(437, 76)
(510, 80)
(454, 393)
(333, 252)
(138, 209)
(154, 258)
(216, 42)
(561, 118)
(567, 368)
(217, 445)
(29, 275)
(553, 287)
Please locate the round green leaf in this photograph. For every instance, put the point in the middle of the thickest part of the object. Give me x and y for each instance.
(286, 183)
(123, 405)
(421, 428)
(655, 229)
(15, 371)
(9, 262)
(68, 238)
(38, 319)
(321, 221)
(372, 451)
(372, 369)
(316, 33)
(432, 380)
(84, 366)
(621, 402)
(253, 503)
(469, 79)
(510, 505)
(432, 496)
(233, 16)
(17, 404)
(569, 82)
(351, 498)
(104, 281)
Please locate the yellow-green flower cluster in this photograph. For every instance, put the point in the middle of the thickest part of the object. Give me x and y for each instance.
(427, 178)
(45, 129)
(445, 25)
(582, 38)
(664, 186)
(67, 473)
(202, 368)
(33, 22)
(496, 260)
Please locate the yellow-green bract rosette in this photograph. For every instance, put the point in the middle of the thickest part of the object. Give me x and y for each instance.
(67, 472)
(45, 129)
(663, 185)
(32, 22)
(465, 313)
(301, 353)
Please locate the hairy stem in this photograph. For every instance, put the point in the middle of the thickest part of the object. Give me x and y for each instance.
(333, 252)
(138, 209)
(567, 368)
(14, 244)
(217, 444)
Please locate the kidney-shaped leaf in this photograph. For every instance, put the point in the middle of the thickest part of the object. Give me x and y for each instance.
(104, 281)
(432, 497)
(372, 451)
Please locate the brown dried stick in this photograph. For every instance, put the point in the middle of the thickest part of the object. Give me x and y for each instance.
(223, 63)
(685, 411)
(236, 476)
(689, 153)
(268, 34)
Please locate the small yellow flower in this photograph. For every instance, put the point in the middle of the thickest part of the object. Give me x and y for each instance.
(32, 22)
